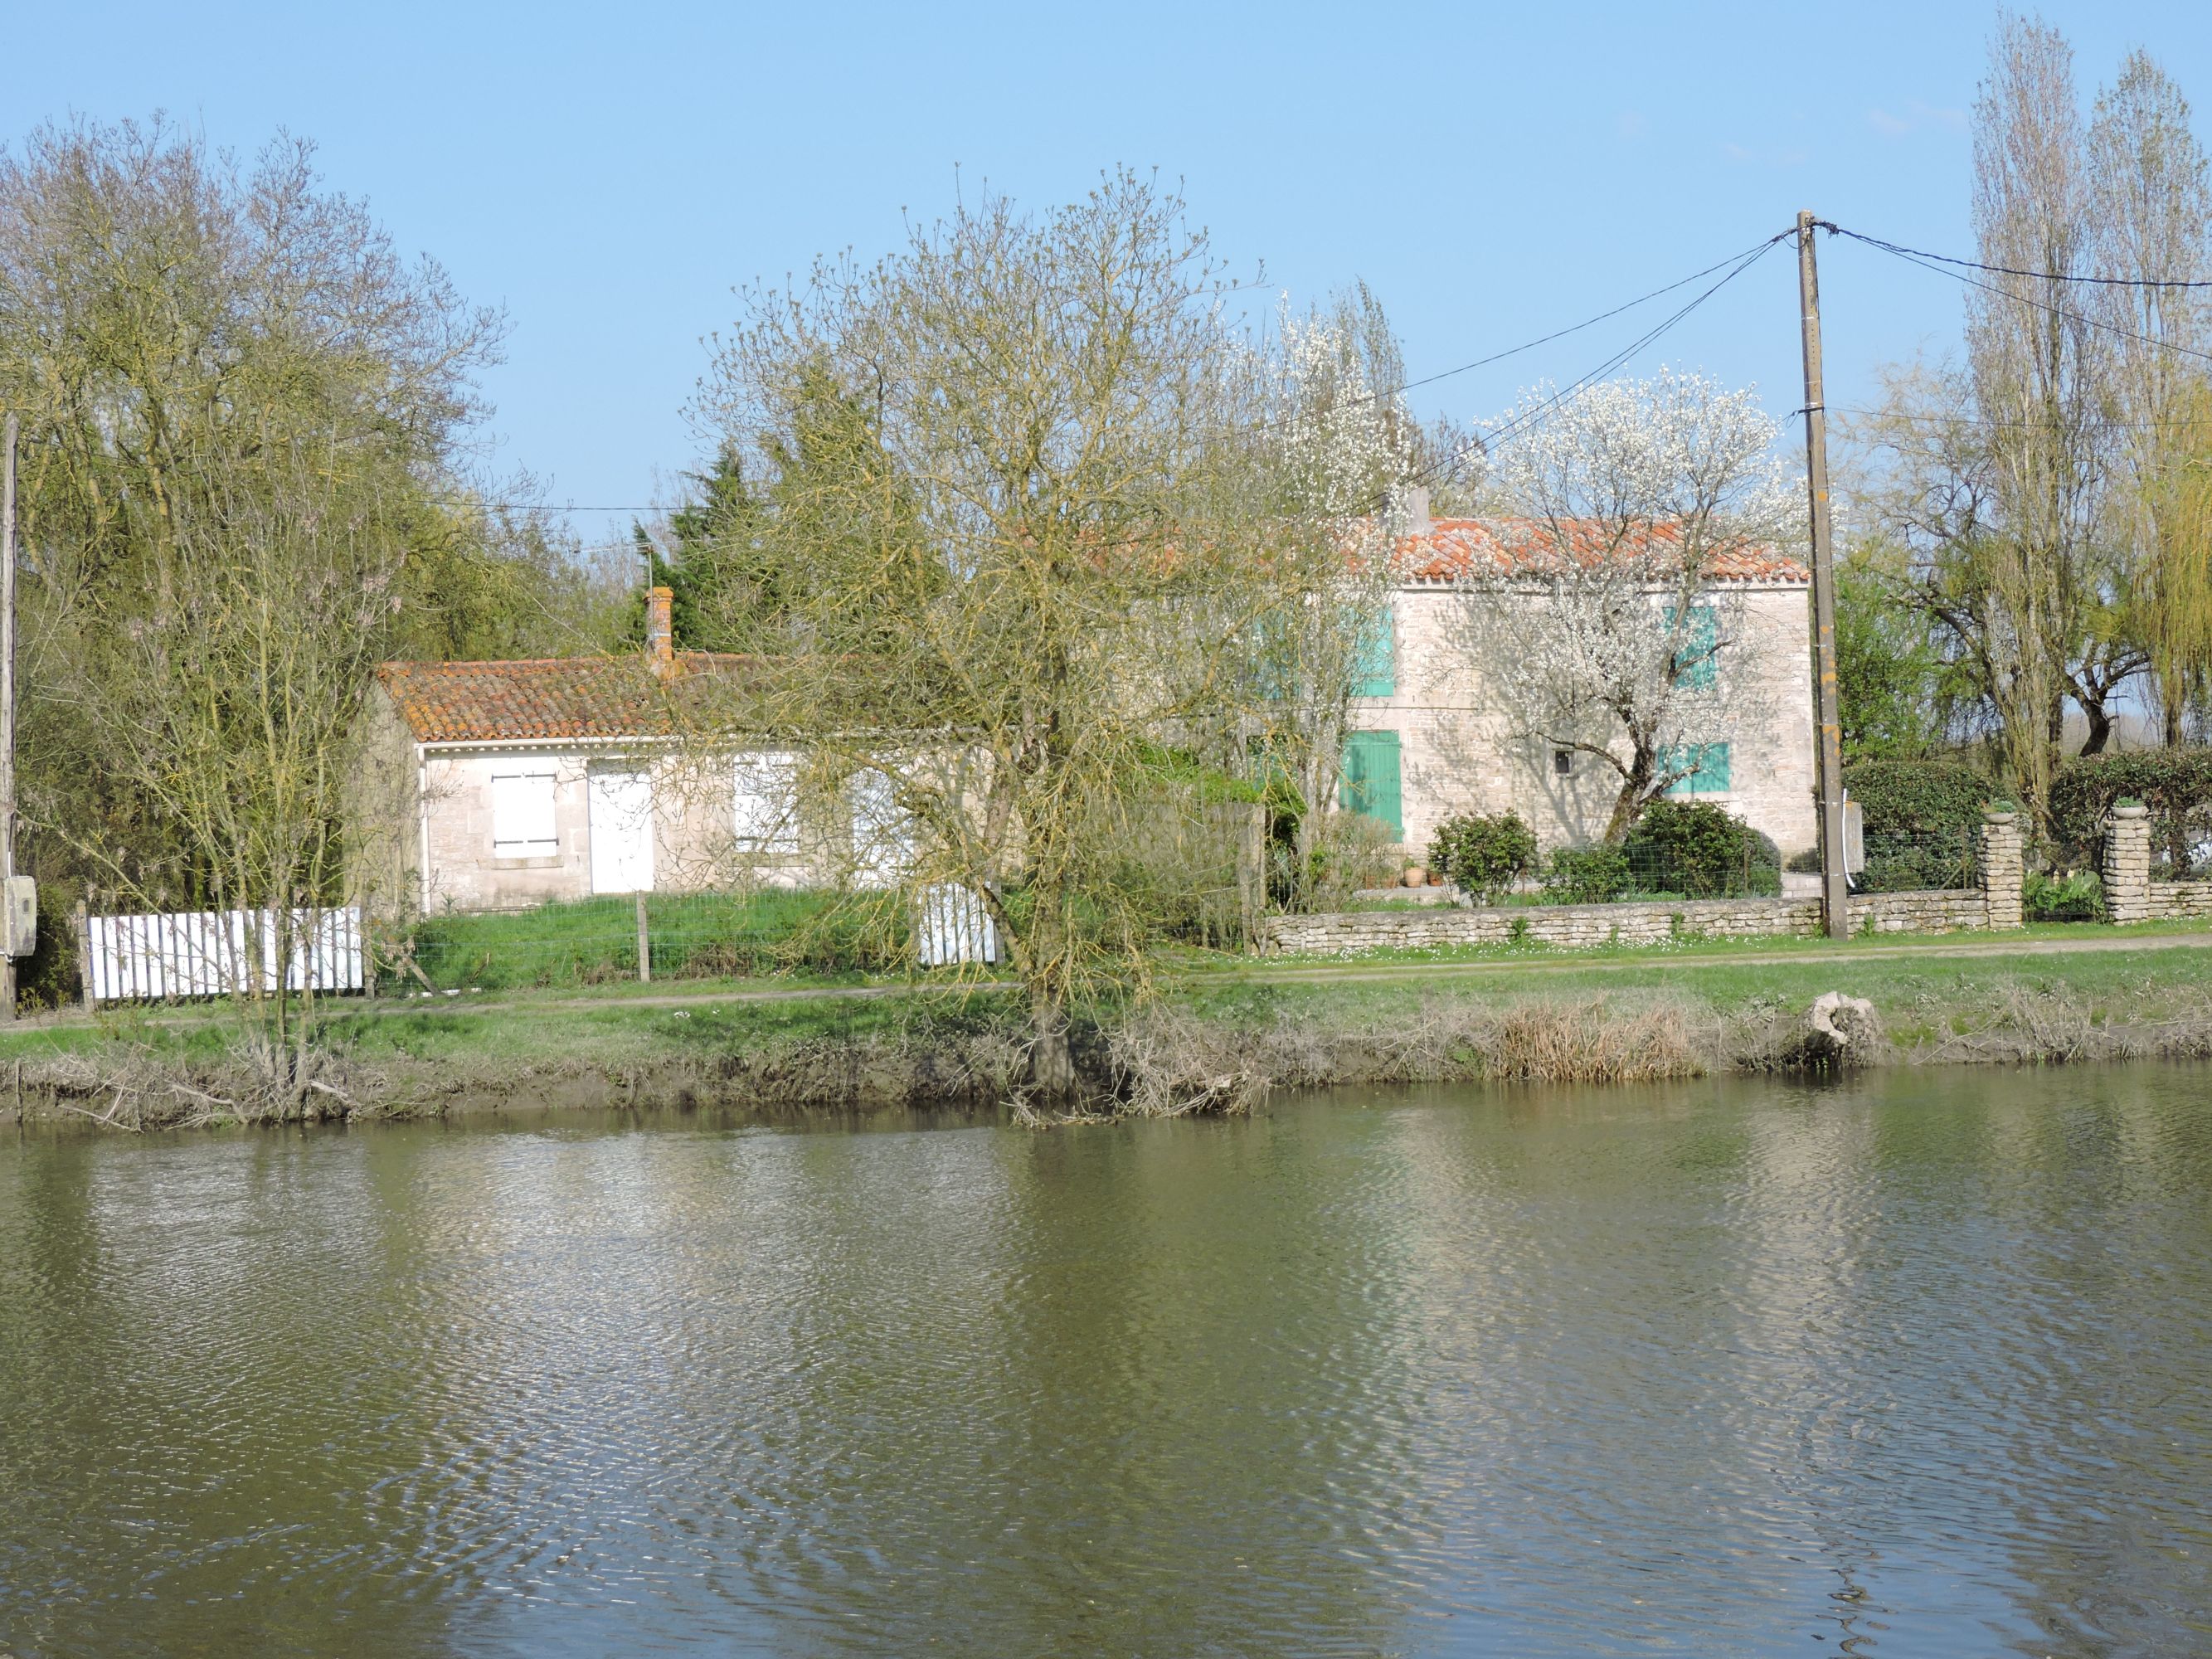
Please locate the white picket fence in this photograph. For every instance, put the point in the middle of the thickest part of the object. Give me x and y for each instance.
(955, 927)
(213, 953)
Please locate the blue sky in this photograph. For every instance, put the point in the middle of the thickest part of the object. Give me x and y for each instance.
(608, 174)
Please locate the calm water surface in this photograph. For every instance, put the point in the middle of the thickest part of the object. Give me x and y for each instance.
(1922, 1366)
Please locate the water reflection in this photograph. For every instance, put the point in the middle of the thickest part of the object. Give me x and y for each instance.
(1917, 1367)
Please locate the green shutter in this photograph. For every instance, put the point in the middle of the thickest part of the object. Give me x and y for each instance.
(1378, 659)
(1370, 779)
(1699, 649)
(1709, 768)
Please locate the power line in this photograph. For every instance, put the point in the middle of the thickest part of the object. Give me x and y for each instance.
(1913, 258)
(2014, 270)
(1528, 418)
(1741, 259)
(1576, 328)
(1991, 420)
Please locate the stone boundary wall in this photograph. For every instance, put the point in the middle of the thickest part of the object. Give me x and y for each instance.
(1586, 926)
(2175, 901)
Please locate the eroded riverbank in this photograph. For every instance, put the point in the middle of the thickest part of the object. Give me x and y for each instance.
(1211, 1044)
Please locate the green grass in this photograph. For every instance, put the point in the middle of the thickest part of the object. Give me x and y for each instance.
(1918, 993)
(593, 942)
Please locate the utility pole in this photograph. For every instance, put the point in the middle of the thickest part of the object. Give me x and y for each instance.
(1828, 755)
(8, 694)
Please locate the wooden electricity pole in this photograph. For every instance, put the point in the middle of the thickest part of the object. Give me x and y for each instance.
(8, 693)
(1828, 756)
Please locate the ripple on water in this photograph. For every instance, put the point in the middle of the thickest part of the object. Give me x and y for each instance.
(1914, 1367)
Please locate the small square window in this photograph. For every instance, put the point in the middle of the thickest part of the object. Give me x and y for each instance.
(1563, 762)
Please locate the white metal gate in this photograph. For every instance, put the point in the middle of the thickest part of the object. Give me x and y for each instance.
(212, 953)
(955, 927)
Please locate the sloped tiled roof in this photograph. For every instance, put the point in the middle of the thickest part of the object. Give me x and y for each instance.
(546, 697)
(1455, 548)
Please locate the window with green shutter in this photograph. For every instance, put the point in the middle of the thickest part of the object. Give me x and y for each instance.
(1368, 782)
(1378, 659)
(1707, 764)
(1698, 653)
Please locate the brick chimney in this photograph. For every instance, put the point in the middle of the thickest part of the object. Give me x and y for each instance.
(660, 631)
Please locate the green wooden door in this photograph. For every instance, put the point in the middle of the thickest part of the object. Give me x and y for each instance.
(1368, 783)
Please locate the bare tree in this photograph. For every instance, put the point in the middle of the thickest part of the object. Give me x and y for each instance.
(180, 331)
(1023, 526)
(231, 709)
(1599, 621)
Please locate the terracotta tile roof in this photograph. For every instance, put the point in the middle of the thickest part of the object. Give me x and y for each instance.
(1455, 548)
(549, 698)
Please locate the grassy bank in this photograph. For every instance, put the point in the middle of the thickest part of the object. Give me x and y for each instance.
(1221, 1032)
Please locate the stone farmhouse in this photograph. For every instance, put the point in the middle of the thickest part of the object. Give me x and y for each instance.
(1431, 739)
(502, 785)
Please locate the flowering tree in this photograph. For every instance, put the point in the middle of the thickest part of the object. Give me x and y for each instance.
(1600, 622)
(1341, 448)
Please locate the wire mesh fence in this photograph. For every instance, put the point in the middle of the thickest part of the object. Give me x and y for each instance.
(1918, 860)
(1640, 871)
(595, 941)
(2181, 844)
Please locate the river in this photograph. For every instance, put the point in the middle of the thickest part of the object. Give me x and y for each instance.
(1922, 1364)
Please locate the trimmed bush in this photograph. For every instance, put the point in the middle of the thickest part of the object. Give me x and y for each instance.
(2175, 784)
(1586, 875)
(1485, 855)
(1700, 851)
(1920, 797)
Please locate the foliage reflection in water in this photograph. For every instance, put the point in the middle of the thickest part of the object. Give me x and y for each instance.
(1914, 1367)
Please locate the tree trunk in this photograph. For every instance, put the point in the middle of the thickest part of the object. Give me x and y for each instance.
(1052, 1059)
(2100, 726)
(1630, 801)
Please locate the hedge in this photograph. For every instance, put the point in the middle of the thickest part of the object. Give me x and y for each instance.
(2176, 784)
(1918, 797)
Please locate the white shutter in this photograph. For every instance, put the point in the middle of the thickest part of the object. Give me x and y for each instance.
(767, 802)
(522, 815)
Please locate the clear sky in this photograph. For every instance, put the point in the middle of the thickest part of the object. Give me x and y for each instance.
(607, 174)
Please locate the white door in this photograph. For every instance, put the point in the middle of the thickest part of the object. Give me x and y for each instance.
(622, 831)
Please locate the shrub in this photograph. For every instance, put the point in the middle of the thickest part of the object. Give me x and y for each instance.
(1586, 875)
(1806, 862)
(1352, 853)
(2077, 895)
(1485, 855)
(1697, 849)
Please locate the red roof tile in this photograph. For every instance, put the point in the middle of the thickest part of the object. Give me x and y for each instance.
(551, 697)
(1455, 548)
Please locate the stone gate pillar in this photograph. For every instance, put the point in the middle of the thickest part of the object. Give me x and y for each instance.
(2001, 868)
(2127, 864)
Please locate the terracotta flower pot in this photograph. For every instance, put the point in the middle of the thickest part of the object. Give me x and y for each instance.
(1416, 876)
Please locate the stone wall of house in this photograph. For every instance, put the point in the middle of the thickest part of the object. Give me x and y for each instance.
(1458, 753)
(1585, 926)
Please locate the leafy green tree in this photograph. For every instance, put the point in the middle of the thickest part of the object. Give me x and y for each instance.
(1891, 674)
